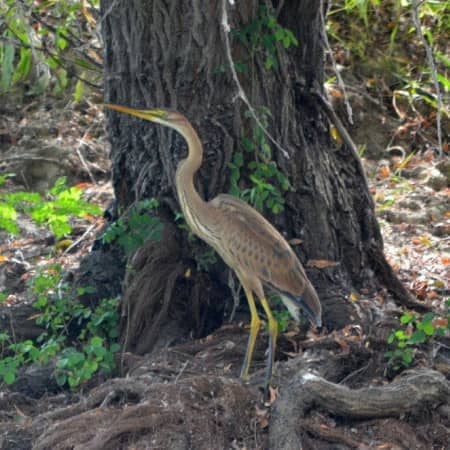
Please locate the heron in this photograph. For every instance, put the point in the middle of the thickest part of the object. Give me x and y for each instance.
(257, 253)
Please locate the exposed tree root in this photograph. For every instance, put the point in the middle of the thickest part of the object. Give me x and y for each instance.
(147, 297)
(331, 435)
(163, 412)
(404, 395)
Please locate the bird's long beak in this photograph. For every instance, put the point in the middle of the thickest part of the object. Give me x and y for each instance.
(153, 115)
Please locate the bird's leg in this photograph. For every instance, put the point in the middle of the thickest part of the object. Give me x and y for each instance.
(273, 333)
(255, 324)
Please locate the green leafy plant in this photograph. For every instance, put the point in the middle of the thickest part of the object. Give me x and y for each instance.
(267, 182)
(262, 36)
(254, 167)
(133, 229)
(42, 41)
(79, 338)
(55, 210)
(204, 256)
(417, 330)
(377, 35)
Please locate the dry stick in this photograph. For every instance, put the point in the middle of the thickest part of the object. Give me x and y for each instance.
(81, 238)
(226, 27)
(80, 156)
(332, 116)
(27, 157)
(430, 59)
(331, 435)
(181, 371)
(340, 81)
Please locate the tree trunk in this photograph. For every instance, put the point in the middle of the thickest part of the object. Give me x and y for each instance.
(163, 53)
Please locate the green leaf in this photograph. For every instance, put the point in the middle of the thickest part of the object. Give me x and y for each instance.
(85, 64)
(62, 363)
(238, 159)
(24, 64)
(400, 335)
(9, 377)
(428, 328)
(114, 348)
(444, 81)
(75, 358)
(269, 62)
(61, 378)
(279, 34)
(78, 92)
(7, 67)
(73, 380)
(407, 318)
(407, 358)
(96, 341)
(418, 337)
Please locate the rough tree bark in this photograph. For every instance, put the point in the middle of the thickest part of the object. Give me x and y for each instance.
(163, 53)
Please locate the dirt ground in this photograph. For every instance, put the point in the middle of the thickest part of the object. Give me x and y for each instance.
(334, 389)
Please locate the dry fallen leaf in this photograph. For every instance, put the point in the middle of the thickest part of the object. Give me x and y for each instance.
(336, 136)
(273, 392)
(321, 263)
(262, 416)
(441, 322)
(384, 172)
(344, 346)
(82, 186)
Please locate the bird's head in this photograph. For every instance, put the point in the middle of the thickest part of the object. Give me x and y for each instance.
(164, 117)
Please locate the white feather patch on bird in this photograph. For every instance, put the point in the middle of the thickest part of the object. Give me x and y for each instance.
(292, 307)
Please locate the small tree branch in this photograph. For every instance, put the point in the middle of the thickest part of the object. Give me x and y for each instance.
(340, 81)
(429, 53)
(241, 93)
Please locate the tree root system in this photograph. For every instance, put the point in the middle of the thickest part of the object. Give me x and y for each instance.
(330, 393)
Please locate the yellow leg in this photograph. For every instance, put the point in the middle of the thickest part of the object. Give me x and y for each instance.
(273, 333)
(255, 324)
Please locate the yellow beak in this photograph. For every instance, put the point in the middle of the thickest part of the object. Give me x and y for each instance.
(148, 114)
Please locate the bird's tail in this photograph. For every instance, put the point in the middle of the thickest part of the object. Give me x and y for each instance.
(309, 302)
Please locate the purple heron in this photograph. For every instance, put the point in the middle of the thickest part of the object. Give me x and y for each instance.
(246, 241)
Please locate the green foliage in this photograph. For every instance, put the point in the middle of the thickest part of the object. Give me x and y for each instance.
(262, 35)
(254, 166)
(132, 230)
(282, 317)
(42, 41)
(381, 36)
(79, 355)
(280, 313)
(55, 210)
(415, 331)
(267, 182)
(204, 255)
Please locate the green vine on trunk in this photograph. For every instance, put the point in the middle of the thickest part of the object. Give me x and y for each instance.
(254, 167)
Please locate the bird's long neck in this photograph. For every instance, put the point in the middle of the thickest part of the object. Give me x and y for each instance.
(193, 206)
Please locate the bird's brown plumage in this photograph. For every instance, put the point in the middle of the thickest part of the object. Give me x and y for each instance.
(247, 242)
